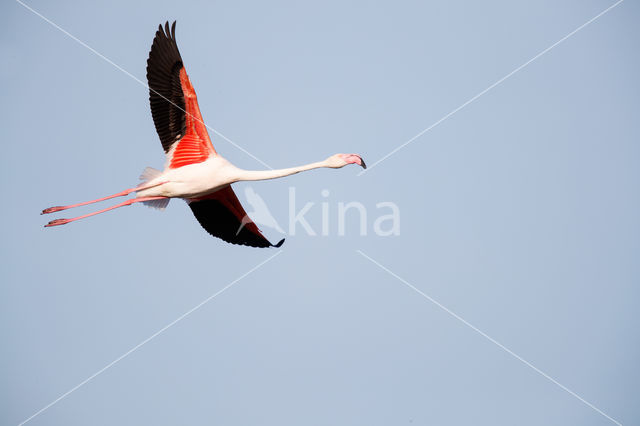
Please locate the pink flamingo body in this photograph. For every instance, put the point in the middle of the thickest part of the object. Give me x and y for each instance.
(194, 171)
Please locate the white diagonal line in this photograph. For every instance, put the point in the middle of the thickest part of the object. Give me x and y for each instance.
(490, 87)
(483, 334)
(100, 55)
(147, 340)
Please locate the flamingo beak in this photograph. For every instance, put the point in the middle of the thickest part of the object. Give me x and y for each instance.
(354, 159)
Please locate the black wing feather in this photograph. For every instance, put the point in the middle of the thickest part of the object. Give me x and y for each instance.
(220, 222)
(165, 91)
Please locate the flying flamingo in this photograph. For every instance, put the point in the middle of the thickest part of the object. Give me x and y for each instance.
(194, 171)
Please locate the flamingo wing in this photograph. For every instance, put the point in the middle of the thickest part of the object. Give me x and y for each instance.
(174, 105)
(222, 216)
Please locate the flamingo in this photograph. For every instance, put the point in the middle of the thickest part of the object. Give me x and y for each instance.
(193, 170)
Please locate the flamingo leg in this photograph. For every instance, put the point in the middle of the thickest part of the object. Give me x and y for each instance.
(119, 194)
(57, 222)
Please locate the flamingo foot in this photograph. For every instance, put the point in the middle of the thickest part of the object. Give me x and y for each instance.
(52, 209)
(57, 222)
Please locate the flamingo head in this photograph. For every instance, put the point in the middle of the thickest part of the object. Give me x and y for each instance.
(340, 160)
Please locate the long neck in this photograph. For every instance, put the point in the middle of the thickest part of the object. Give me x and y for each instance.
(274, 174)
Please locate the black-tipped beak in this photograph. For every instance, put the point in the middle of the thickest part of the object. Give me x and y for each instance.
(279, 243)
(364, 166)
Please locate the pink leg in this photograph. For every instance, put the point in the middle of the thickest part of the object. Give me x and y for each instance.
(119, 194)
(57, 222)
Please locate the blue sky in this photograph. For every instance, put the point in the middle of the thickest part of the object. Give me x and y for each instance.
(518, 213)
